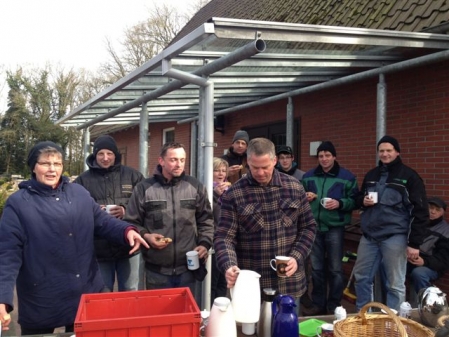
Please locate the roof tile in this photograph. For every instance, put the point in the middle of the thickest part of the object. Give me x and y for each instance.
(402, 15)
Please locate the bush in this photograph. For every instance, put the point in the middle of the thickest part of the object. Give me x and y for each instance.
(3, 198)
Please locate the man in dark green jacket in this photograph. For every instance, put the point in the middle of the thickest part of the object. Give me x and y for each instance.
(331, 191)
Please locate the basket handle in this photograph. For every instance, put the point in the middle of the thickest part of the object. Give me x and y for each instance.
(393, 316)
(442, 320)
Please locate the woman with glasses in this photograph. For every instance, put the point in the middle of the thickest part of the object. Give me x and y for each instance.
(46, 245)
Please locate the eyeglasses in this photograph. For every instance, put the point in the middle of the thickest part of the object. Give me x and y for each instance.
(47, 164)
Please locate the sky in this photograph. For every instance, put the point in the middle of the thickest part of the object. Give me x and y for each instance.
(70, 33)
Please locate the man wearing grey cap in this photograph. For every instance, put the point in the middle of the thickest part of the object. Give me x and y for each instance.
(433, 259)
(394, 217)
(236, 156)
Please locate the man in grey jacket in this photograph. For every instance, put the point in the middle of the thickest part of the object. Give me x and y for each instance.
(174, 215)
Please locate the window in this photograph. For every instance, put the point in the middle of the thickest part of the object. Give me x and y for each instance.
(168, 135)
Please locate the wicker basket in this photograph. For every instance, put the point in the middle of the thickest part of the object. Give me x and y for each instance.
(379, 325)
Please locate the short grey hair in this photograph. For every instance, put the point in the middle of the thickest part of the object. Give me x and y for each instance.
(261, 146)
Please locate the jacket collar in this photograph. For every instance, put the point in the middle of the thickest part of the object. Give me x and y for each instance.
(332, 172)
(93, 165)
(161, 179)
(275, 179)
(391, 166)
(231, 153)
(289, 172)
(34, 186)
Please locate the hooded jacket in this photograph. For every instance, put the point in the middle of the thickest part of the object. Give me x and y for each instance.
(111, 186)
(339, 184)
(178, 209)
(47, 251)
(294, 171)
(402, 206)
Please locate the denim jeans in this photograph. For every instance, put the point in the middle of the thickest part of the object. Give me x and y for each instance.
(327, 251)
(421, 277)
(127, 270)
(389, 254)
(156, 280)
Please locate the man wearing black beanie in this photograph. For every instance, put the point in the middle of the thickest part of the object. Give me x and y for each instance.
(331, 191)
(393, 221)
(111, 184)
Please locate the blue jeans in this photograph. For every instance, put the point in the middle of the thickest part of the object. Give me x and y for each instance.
(327, 251)
(156, 280)
(391, 255)
(421, 277)
(127, 270)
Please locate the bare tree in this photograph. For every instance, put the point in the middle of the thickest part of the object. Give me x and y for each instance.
(143, 41)
(146, 39)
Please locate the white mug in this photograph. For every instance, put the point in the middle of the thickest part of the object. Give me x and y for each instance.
(193, 261)
(373, 196)
(279, 264)
(324, 201)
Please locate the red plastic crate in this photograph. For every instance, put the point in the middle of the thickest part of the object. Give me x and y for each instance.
(146, 313)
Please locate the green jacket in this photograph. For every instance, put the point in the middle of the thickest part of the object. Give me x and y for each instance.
(339, 184)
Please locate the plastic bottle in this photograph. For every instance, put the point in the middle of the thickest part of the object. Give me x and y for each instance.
(221, 320)
(204, 321)
(340, 313)
(285, 322)
(265, 320)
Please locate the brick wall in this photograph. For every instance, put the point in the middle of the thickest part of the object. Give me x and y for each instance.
(417, 114)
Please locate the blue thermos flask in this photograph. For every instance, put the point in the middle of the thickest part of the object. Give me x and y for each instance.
(285, 323)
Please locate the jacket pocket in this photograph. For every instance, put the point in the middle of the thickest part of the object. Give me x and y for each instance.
(188, 210)
(393, 196)
(154, 213)
(251, 218)
(290, 211)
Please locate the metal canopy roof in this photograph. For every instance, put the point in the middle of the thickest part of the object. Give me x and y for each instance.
(296, 56)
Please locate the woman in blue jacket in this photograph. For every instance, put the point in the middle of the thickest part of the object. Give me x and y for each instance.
(46, 245)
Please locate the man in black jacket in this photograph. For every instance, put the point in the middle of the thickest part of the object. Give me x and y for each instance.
(433, 259)
(236, 156)
(393, 220)
(111, 184)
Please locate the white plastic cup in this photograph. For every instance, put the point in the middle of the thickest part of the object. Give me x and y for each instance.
(193, 260)
(249, 329)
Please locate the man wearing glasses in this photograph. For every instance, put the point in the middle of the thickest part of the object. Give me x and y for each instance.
(286, 163)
